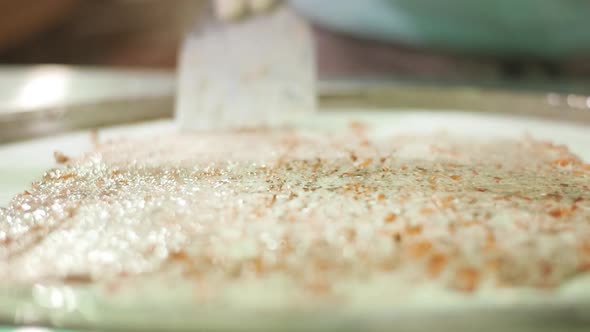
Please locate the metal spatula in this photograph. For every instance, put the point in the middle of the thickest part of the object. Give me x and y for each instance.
(256, 72)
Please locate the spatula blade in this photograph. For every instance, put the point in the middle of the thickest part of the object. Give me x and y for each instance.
(253, 73)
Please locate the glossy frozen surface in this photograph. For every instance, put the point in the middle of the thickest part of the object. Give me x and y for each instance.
(385, 217)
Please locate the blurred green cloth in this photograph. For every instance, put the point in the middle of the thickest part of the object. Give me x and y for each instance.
(550, 29)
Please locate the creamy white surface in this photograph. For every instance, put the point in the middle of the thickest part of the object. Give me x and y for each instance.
(389, 291)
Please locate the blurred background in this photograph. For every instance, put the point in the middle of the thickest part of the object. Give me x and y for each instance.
(135, 33)
(147, 34)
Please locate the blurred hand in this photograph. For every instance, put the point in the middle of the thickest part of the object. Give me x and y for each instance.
(231, 10)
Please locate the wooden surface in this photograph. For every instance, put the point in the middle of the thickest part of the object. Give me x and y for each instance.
(22, 19)
(135, 33)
